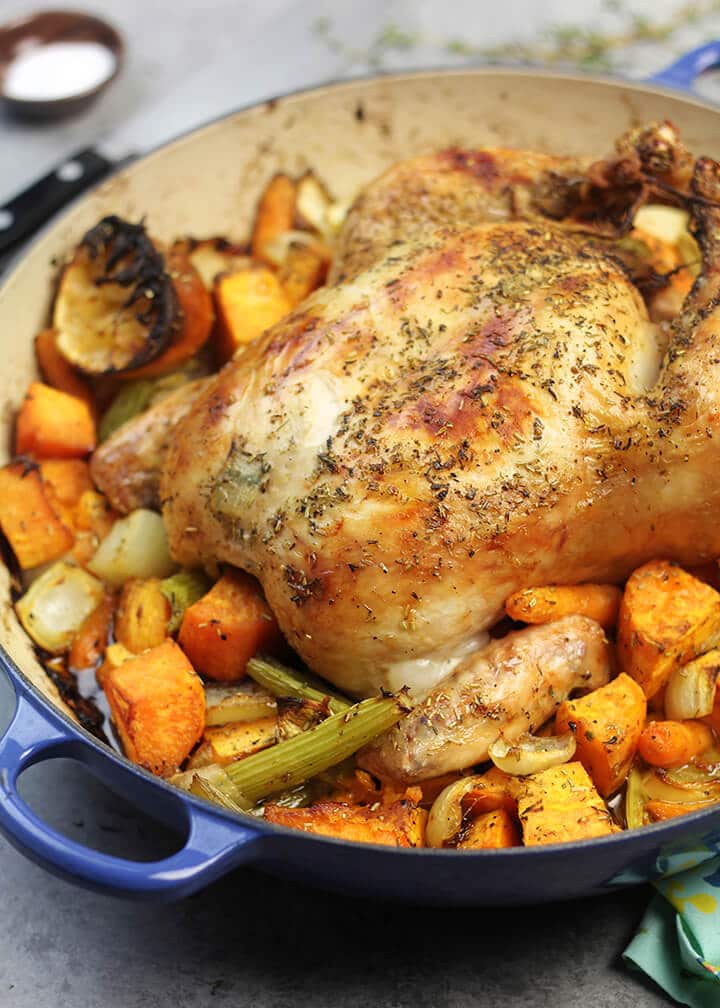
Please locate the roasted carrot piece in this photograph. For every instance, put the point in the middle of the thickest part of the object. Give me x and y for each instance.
(56, 370)
(607, 725)
(28, 518)
(157, 704)
(667, 617)
(303, 271)
(222, 631)
(54, 424)
(658, 811)
(600, 602)
(561, 804)
(197, 317)
(248, 302)
(275, 214)
(491, 830)
(400, 824)
(90, 641)
(673, 743)
(142, 615)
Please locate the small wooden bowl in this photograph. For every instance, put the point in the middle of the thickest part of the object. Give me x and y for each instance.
(43, 28)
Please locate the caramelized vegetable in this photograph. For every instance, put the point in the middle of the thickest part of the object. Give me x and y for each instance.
(135, 547)
(401, 824)
(692, 688)
(674, 743)
(607, 725)
(213, 256)
(284, 682)
(142, 615)
(659, 811)
(302, 272)
(541, 605)
(490, 830)
(55, 606)
(90, 642)
(158, 707)
(182, 590)
(68, 479)
(56, 370)
(247, 303)
(226, 743)
(667, 618)
(244, 701)
(275, 214)
(531, 753)
(306, 755)
(53, 424)
(469, 797)
(561, 804)
(28, 519)
(196, 319)
(227, 626)
(116, 306)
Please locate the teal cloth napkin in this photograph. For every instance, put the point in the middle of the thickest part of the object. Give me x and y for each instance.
(678, 941)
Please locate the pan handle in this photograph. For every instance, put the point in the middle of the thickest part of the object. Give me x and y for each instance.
(213, 843)
(683, 73)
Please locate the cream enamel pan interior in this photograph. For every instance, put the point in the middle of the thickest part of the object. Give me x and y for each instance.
(207, 183)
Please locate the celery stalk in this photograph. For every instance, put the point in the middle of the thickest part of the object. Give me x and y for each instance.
(296, 760)
(182, 590)
(285, 682)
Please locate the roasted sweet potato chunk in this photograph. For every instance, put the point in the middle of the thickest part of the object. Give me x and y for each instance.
(222, 631)
(607, 725)
(490, 830)
(157, 704)
(247, 302)
(667, 618)
(28, 518)
(401, 824)
(53, 424)
(560, 805)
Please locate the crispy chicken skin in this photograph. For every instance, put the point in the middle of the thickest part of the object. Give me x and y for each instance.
(512, 687)
(482, 408)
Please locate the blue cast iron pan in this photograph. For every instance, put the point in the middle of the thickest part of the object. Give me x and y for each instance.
(215, 841)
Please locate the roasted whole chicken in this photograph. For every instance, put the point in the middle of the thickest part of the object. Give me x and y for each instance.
(478, 402)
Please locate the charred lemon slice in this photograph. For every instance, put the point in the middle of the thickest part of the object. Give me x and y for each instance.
(117, 307)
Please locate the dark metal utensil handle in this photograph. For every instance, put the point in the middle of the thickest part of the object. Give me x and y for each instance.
(24, 213)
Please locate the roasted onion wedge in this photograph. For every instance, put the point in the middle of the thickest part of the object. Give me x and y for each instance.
(125, 307)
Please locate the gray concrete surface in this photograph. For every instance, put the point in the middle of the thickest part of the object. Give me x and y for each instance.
(249, 939)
